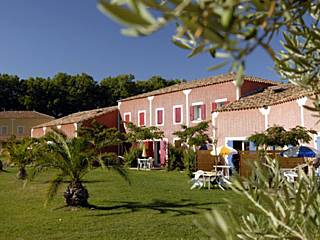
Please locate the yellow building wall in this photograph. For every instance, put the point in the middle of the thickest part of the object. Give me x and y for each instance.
(13, 124)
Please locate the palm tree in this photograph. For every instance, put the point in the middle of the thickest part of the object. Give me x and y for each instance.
(73, 158)
(21, 153)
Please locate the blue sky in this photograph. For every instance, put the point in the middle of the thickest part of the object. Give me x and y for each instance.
(42, 38)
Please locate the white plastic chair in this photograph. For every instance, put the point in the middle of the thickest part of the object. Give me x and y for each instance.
(197, 181)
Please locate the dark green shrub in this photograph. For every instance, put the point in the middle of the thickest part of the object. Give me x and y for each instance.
(189, 160)
(130, 157)
(175, 160)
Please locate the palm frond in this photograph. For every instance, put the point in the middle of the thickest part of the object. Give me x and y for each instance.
(53, 187)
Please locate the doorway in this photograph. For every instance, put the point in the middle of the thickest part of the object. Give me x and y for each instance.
(156, 152)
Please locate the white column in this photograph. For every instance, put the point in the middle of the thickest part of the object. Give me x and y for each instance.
(75, 129)
(150, 109)
(119, 104)
(32, 132)
(214, 116)
(265, 112)
(187, 92)
(301, 102)
(44, 130)
(238, 89)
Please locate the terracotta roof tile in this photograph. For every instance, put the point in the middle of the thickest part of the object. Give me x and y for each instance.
(78, 117)
(270, 96)
(199, 83)
(23, 115)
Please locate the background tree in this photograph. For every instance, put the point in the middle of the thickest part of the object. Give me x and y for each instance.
(10, 92)
(154, 83)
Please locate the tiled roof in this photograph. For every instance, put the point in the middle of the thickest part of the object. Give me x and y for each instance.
(270, 96)
(23, 115)
(78, 117)
(199, 83)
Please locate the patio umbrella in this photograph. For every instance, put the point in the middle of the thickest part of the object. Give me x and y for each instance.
(300, 152)
(226, 150)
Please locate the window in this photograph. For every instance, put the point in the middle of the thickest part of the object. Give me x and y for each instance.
(219, 103)
(3, 130)
(20, 130)
(141, 118)
(126, 118)
(177, 114)
(197, 112)
(159, 116)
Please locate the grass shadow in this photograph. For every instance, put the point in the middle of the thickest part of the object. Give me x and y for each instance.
(180, 208)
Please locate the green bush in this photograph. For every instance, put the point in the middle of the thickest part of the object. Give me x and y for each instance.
(131, 156)
(189, 160)
(175, 160)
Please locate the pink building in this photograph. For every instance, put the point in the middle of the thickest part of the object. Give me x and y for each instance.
(277, 105)
(71, 123)
(186, 103)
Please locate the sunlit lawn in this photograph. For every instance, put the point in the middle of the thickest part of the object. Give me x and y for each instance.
(157, 205)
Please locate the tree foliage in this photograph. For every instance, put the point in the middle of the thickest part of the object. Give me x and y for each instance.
(194, 136)
(277, 209)
(278, 136)
(73, 158)
(64, 94)
(21, 153)
(136, 134)
(231, 30)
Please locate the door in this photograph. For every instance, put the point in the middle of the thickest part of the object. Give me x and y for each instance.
(156, 152)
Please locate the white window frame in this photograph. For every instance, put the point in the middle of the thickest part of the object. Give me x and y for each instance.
(156, 118)
(4, 126)
(200, 112)
(145, 118)
(243, 139)
(220, 100)
(127, 114)
(18, 130)
(174, 115)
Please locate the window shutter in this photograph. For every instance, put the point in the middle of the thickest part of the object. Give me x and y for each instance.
(214, 106)
(177, 115)
(159, 117)
(141, 119)
(127, 118)
(203, 112)
(191, 113)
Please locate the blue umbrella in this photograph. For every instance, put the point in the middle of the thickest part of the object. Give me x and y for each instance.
(300, 152)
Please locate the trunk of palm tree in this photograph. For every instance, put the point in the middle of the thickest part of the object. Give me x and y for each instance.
(76, 195)
(22, 174)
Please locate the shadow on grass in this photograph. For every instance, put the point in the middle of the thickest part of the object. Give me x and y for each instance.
(180, 208)
(67, 181)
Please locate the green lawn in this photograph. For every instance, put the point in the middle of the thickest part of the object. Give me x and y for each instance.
(157, 205)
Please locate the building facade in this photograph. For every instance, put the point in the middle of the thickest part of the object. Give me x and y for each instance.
(71, 123)
(282, 105)
(186, 103)
(20, 123)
